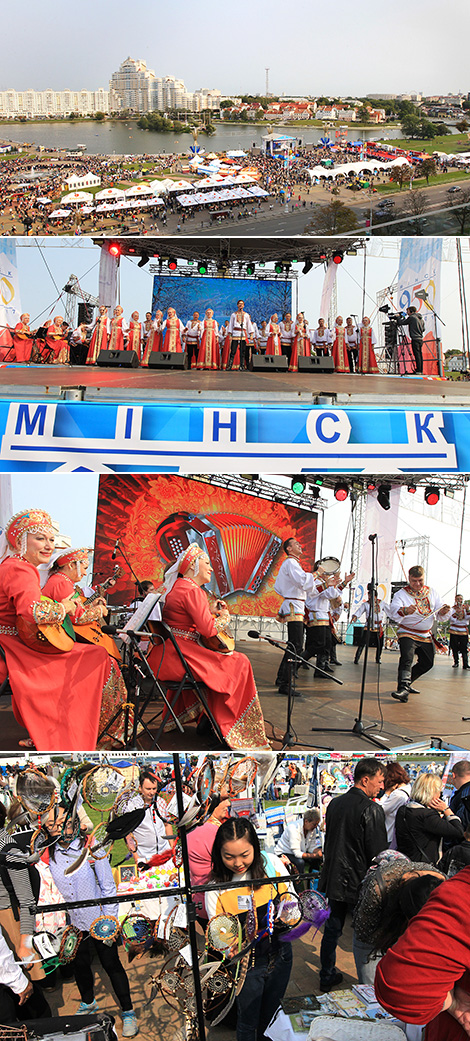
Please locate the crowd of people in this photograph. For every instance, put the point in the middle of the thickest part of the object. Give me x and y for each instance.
(206, 344)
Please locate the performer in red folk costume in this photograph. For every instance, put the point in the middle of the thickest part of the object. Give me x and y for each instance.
(367, 341)
(56, 342)
(99, 337)
(339, 349)
(62, 691)
(287, 333)
(153, 335)
(273, 345)
(227, 678)
(300, 343)
(22, 340)
(119, 329)
(208, 357)
(173, 330)
(134, 340)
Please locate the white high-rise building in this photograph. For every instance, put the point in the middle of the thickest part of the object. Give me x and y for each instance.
(132, 87)
(42, 103)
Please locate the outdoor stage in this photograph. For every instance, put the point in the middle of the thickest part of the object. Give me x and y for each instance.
(434, 713)
(23, 382)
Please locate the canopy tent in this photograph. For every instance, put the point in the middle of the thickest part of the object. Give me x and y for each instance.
(361, 166)
(182, 186)
(138, 189)
(236, 153)
(110, 193)
(59, 213)
(223, 195)
(76, 197)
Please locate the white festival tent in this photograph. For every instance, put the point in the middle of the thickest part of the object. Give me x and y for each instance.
(109, 193)
(75, 197)
(346, 169)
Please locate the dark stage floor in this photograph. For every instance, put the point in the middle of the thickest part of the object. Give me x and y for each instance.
(434, 713)
(158, 384)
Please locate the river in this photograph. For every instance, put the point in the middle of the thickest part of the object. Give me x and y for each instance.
(127, 139)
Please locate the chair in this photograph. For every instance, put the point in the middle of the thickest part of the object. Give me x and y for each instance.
(188, 682)
(5, 686)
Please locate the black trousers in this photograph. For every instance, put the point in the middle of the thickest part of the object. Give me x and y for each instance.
(417, 348)
(318, 644)
(295, 635)
(109, 958)
(36, 1007)
(244, 353)
(192, 350)
(458, 644)
(376, 640)
(407, 672)
(353, 357)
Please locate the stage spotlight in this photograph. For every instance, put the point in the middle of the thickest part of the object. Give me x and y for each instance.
(172, 263)
(318, 480)
(337, 257)
(315, 493)
(114, 249)
(341, 491)
(298, 484)
(250, 268)
(383, 496)
(370, 485)
(412, 488)
(278, 267)
(432, 494)
(202, 267)
(143, 260)
(323, 256)
(307, 266)
(250, 477)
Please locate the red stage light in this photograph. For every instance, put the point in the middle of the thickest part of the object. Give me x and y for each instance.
(341, 491)
(432, 494)
(370, 486)
(337, 258)
(172, 264)
(114, 249)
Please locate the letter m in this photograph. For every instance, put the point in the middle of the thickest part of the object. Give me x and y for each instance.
(30, 422)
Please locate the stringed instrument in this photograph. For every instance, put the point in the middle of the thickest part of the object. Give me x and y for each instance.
(47, 637)
(91, 632)
(224, 640)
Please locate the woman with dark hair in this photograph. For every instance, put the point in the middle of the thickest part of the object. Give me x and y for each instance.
(393, 891)
(397, 788)
(236, 856)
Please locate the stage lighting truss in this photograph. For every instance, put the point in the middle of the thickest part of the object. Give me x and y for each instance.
(280, 272)
(254, 485)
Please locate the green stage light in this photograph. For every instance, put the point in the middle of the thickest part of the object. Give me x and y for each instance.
(298, 484)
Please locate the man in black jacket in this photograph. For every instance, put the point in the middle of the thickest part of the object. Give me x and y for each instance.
(416, 329)
(355, 834)
(460, 801)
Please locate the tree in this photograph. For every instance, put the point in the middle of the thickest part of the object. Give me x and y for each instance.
(99, 116)
(441, 129)
(461, 213)
(334, 219)
(428, 130)
(400, 175)
(226, 104)
(428, 168)
(410, 126)
(462, 126)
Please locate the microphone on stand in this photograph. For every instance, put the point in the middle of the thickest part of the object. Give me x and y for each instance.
(254, 635)
(116, 547)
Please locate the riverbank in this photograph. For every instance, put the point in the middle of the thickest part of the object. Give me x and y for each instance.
(448, 143)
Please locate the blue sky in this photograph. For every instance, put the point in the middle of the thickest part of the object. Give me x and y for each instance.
(309, 48)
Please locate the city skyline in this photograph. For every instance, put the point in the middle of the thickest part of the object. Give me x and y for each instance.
(177, 42)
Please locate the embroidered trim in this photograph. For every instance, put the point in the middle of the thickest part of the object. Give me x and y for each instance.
(8, 630)
(186, 634)
(45, 611)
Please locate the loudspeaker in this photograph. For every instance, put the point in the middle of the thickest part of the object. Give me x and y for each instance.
(269, 363)
(168, 360)
(85, 313)
(120, 359)
(316, 365)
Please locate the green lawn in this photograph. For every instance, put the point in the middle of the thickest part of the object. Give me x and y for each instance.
(447, 143)
(420, 182)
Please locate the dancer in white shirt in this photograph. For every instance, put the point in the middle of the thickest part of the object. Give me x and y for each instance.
(415, 608)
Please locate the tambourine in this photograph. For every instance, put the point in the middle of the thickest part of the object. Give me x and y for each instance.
(330, 565)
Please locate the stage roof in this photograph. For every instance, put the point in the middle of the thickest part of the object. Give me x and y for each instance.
(216, 248)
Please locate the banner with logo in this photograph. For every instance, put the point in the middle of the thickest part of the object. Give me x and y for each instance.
(108, 279)
(10, 306)
(383, 524)
(419, 285)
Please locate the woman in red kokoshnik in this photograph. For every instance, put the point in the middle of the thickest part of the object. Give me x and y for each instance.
(56, 341)
(339, 349)
(273, 345)
(134, 339)
(99, 337)
(173, 330)
(208, 355)
(61, 697)
(367, 361)
(228, 678)
(153, 336)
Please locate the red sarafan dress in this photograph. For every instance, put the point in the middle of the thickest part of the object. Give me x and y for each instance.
(367, 360)
(208, 354)
(273, 345)
(58, 345)
(228, 678)
(57, 697)
(339, 350)
(154, 343)
(99, 339)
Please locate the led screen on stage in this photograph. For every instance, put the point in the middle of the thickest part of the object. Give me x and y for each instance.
(155, 517)
(262, 297)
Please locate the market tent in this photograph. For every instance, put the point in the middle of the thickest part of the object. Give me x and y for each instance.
(138, 189)
(60, 213)
(110, 193)
(76, 197)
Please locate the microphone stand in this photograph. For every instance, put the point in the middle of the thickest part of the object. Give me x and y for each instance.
(293, 661)
(359, 728)
(127, 561)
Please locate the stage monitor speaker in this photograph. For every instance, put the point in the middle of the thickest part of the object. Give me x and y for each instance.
(315, 364)
(168, 360)
(85, 313)
(118, 359)
(269, 363)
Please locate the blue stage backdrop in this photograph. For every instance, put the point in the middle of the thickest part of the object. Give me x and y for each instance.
(262, 297)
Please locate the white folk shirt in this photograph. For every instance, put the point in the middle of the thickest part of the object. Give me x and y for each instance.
(293, 583)
(318, 604)
(321, 341)
(364, 609)
(351, 337)
(193, 331)
(242, 328)
(459, 625)
(287, 335)
(293, 840)
(419, 624)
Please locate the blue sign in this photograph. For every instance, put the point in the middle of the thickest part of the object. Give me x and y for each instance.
(185, 438)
